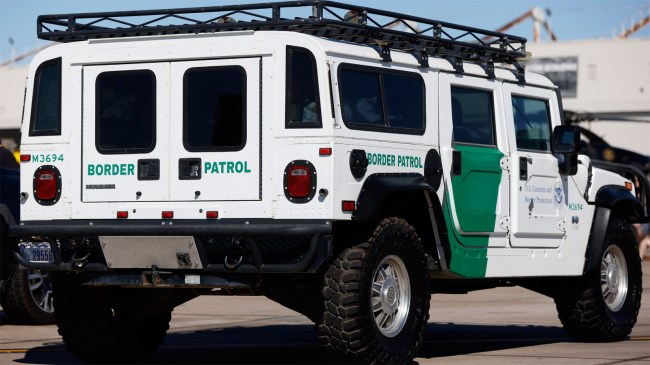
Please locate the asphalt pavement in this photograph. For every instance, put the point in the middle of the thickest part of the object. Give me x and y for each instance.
(496, 326)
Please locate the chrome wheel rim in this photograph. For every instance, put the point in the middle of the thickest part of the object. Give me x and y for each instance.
(614, 278)
(40, 287)
(390, 295)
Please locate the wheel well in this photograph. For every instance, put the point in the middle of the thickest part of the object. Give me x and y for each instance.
(411, 206)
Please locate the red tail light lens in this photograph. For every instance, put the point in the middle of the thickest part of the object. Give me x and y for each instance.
(25, 158)
(299, 181)
(167, 214)
(46, 185)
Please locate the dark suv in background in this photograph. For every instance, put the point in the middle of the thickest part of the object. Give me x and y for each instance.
(26, 295)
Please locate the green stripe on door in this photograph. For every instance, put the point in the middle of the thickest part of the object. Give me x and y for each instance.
(476, 191)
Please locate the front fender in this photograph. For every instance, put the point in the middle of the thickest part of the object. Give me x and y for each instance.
(620, 201)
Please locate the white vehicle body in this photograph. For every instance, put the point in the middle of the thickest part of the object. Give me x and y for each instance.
(542, 244)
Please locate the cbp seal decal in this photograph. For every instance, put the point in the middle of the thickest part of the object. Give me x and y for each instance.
(558, 193)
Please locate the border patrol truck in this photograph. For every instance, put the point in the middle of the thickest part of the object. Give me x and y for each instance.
(344, 161)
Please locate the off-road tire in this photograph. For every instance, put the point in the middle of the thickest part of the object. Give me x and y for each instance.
(581, 306)
(96, 330)
(27, 305)
(349, 332)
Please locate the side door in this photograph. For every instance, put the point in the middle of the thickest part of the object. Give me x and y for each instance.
(538, 192)
(474, 144)
(215, 130)
(125, 132)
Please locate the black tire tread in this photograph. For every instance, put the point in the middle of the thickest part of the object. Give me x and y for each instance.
(344, 332)
(581, 308)
(93, 333)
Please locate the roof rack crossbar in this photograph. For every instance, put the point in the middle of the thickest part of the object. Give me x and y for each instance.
(328, 19)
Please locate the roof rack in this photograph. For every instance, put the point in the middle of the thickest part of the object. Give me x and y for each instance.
(383, 30)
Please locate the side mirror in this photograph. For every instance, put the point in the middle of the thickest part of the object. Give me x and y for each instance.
(566, 143)
(566, 140)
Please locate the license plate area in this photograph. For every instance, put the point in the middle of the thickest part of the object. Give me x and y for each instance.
(36, 251)
(164, 252)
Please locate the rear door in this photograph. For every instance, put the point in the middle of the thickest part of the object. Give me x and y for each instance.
(476, 146)
(125, 132)
(215, 130)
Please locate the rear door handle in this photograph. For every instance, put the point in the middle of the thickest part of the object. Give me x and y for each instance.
(189, 169)
(456, 163)
(149, 169)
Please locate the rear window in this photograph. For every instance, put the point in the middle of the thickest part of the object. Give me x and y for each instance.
(214, 109)
(303, 107)
(126, 112)
(473, 116)
(46, 109)
(381, 100)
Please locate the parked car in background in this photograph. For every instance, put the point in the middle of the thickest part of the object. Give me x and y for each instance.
(597, 148)
(26, 295)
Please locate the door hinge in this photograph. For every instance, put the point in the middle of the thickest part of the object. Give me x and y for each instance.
(504, 223)
(505, 163)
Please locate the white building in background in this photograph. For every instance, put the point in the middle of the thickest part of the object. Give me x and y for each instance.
(607, 78)
(12, 96)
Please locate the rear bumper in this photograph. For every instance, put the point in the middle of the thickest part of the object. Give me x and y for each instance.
(222, 246)
(250, 227)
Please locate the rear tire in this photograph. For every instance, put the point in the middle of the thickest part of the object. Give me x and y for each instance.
(604, 305)
(28, 297)
(95, 329)
(377, 298)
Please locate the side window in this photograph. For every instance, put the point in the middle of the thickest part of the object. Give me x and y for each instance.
(46, 103)
(126, 112)
(532, 123)
(404, 100)
(473, 116)
(361, 98)
(385, 101)
(303, 106)
(214, 116)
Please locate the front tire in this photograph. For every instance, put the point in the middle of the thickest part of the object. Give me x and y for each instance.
(604, 305)
(377, 298)
(96, 328)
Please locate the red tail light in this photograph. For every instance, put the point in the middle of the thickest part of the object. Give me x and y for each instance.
(47, 185)
(25, 158)
(299, 181)
(167, 214)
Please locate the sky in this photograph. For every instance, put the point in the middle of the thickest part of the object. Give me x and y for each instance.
(569, 19)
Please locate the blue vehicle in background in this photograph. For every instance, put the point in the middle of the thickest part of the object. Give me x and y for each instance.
(26, 295)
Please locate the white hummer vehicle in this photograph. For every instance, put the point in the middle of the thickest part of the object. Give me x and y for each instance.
(346, 162)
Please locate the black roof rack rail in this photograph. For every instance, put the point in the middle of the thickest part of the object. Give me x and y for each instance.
(378, 28)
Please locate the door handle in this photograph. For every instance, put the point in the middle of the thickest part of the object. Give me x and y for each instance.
(149, 169)
(523, 168)
(189, 169)
(456, 163)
